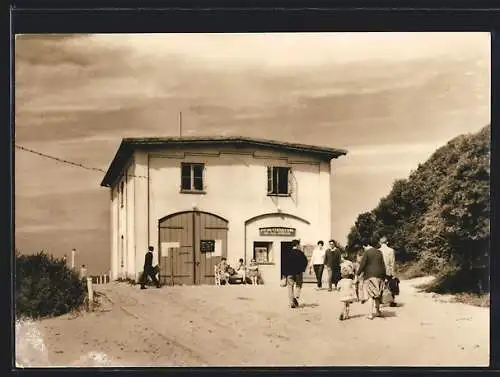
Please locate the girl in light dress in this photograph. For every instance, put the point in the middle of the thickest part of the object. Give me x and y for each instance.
(253, 271)
(241, 270)
(347, 289)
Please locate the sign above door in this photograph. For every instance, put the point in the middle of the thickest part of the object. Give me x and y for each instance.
(277, 231)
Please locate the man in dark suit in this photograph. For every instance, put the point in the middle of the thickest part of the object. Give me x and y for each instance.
(149, 270)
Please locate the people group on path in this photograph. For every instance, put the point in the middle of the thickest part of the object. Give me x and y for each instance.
(367, 278)
(370, 277)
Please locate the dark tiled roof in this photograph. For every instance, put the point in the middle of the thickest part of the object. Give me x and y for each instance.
(129, 145)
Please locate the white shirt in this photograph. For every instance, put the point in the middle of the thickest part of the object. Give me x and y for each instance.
(389, 259)
(318, 255)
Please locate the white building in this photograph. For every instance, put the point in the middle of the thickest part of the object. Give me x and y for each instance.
(197, 199)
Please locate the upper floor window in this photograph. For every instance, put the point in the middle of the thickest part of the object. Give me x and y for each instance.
(192, 177)
(278, 180)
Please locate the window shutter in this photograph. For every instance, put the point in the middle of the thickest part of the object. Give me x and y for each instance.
(269, 180)
(198, 176)
(290, 182)
(185, 176)
(204, 177)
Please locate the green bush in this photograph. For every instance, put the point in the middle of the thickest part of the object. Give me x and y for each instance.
(45, 286)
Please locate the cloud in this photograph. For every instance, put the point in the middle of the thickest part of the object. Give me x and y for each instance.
(278, 50)
(394, 160)
(54, 227)
(397, 149)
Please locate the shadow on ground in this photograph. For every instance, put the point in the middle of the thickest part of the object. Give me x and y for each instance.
(387, 314)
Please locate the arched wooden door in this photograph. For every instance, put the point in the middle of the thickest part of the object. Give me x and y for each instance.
(191, 244)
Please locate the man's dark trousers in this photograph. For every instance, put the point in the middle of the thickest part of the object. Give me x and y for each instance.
(149, 271)
(318, 270)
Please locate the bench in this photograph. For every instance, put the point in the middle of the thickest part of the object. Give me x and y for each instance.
(220, 277)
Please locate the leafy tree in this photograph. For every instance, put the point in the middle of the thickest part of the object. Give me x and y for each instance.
(440, 215)
(363, 232)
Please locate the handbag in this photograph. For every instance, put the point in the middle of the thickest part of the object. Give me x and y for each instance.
(394, 286)
(156, 269)
(386, 294)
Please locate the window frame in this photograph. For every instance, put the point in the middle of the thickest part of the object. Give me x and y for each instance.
(192, 178)
(262, 244)
(273, 181)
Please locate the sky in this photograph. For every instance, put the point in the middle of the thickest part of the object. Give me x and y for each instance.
(390, 99)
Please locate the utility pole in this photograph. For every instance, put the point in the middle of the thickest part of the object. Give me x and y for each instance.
(180, 123)
(73, 258)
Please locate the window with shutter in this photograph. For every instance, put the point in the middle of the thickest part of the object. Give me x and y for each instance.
(192, 177)
(278, 180)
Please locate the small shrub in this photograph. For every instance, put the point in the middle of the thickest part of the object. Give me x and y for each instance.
(411, 269)
(128, 280)
(45, 286)
(481, 300)
(453, 280)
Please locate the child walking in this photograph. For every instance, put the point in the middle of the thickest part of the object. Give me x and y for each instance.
(347, 291)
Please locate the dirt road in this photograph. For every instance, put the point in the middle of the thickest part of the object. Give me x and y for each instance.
(253, 326)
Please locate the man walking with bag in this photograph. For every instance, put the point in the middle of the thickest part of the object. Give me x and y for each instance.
(373, 269)
(294, 264)
(390, 264)
(149, 270)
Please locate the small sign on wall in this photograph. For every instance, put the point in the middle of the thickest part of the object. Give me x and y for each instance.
(207, 246)
(211, 248)
(165, 246)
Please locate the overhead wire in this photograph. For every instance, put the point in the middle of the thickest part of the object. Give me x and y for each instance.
(67, 162)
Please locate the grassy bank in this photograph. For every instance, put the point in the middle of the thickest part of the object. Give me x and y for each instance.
(456, 283)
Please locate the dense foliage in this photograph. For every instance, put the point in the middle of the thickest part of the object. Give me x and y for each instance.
(440, 215)
(45, 286)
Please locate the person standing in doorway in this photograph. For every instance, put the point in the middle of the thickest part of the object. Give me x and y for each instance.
(294, 264)
(149, 270)
(390, 264)
(318, 262)
(332, 263)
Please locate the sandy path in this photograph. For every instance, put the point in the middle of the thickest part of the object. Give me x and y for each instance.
(245, 325)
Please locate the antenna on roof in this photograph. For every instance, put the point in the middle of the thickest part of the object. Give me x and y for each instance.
(180, 123)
